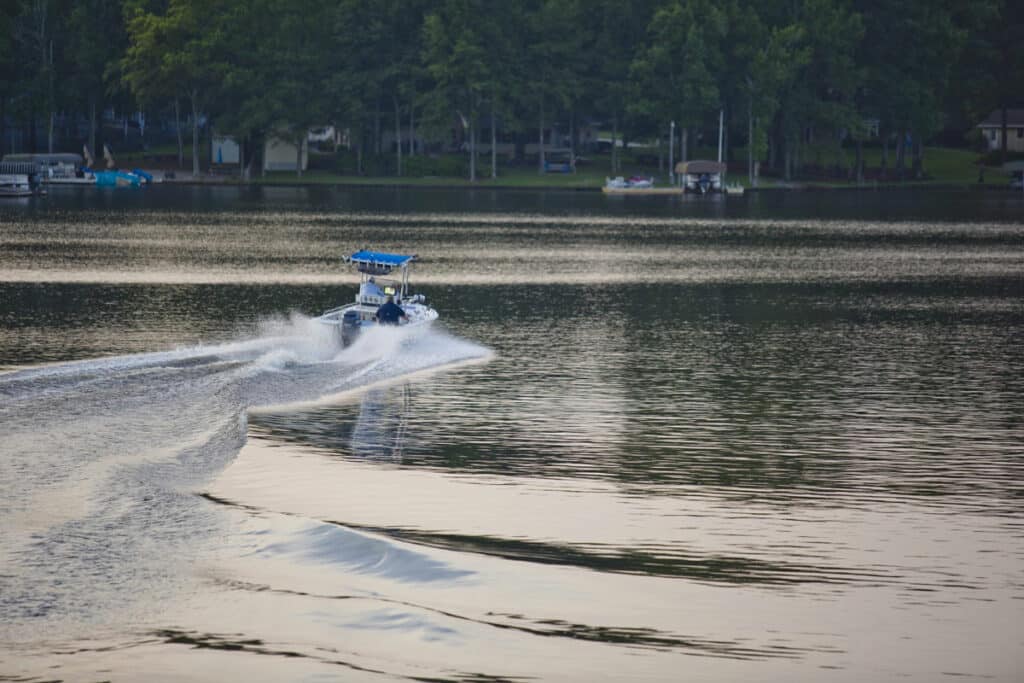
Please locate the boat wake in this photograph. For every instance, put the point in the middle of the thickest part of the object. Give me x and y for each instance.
(101, 459)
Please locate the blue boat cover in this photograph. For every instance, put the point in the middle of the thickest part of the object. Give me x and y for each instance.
(377, 258)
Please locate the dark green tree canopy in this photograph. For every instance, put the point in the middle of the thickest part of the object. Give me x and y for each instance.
(781, 72)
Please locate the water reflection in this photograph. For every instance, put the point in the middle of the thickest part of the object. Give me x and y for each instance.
(759, 387)
(380, 428)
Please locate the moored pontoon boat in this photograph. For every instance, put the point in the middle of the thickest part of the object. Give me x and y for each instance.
(375, 287)
(701, 176)
(19, 179)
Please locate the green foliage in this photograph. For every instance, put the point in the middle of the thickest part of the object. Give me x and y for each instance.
(782, 71)
(445, 165)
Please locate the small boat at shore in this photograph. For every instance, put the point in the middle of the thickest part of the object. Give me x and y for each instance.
(637, 185)
(72, 169)
(376, 286)
(19, 179)
(701, 177)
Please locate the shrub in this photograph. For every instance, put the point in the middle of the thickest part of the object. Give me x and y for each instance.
(446, 165)
(996, 158)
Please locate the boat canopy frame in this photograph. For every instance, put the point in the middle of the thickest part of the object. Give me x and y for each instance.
(699, 167)
(374, 263)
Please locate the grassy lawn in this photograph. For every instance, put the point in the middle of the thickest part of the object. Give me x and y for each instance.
(506, 178)
(942, 165)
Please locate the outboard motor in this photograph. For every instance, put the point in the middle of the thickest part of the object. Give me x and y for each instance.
(349, 328)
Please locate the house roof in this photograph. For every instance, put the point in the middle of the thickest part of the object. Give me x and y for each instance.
(1014, 119)
(700, 167)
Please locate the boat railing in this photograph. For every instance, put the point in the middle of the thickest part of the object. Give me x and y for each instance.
(336, 309)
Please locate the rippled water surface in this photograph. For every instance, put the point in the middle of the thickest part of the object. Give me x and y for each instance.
(773, 438)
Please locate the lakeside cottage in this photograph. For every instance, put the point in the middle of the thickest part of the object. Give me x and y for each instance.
(992, 130)
(280, 154)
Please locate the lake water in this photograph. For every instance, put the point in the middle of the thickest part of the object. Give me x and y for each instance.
(772, 438)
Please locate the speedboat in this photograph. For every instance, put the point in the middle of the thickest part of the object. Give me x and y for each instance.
(377, 283)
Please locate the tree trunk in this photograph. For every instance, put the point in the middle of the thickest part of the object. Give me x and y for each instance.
(254, 143)
(919, 158)
(376, 128)
(494, 143)
(615, 146)
(797, 151)
(398, 137)
(725, 136)
(572, 141)
(92, 123)
(412, 128)
(900, 153)
(177, 128)
(787, 162)
(1003, 125)
(472, 146)
(50, 102)
(574, 136)
(750, 141)
(684, 152)
(860, 162)
(194, 96)
(884, 168)
(540, 130)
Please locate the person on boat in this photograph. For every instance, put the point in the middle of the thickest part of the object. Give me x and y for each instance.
(371, 288)
(389, 312)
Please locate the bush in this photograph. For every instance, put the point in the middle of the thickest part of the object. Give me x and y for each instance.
(447, 165)
(996, 158)
(346, 162)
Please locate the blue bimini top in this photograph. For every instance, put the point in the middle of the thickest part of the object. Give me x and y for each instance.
(379, 263)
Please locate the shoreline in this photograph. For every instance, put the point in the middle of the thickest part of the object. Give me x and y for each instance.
(506, 187)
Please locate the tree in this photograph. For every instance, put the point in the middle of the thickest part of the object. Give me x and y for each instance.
(552, 64)
(175, 54)
(9, 71)
(95, 46)
(35, 30)
(612, 30)
(276, 82)
(677, 72)
(821, 95)
(990, 76)
(377, 52)
(772, 62)
(456, 58)
(907, 63)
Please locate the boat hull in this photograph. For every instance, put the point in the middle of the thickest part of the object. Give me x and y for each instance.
(641, 190)
(348, 322)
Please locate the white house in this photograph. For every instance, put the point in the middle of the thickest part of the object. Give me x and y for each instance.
(224, 150)
(992, 130)
(280, 154)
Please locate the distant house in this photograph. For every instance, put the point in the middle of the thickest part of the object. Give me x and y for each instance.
(224, 150)
(992, 130)
(280, 154)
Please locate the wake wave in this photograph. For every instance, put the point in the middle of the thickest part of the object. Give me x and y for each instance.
(100, 458)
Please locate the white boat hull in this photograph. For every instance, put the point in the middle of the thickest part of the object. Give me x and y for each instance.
(417, 316)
